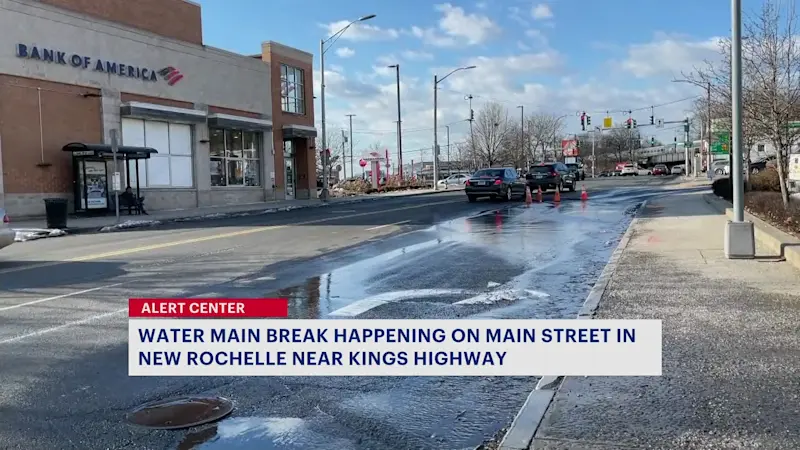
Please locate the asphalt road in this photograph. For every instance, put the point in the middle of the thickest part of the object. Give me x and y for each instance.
(63, 327)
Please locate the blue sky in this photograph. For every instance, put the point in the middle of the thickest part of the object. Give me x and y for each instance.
(557, 56)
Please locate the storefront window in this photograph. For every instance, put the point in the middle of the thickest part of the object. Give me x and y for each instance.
(292, 90)
(235, 158)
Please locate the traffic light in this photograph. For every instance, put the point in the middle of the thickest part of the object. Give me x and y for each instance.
(628, 123)
(676, 139)
(652, 120)
(653, 141)
(634, 123)
(588, 121)
(686, 126)
(471, 114)
(583, 122)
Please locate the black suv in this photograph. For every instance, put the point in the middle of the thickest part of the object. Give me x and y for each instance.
(551, 176)
(580, 174)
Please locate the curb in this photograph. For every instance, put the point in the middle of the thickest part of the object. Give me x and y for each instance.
(776, 240)
(251, 213)
(521, 433)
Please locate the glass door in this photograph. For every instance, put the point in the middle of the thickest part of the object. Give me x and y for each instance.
(288, 164)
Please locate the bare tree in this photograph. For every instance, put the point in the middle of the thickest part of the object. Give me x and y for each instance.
(334, 141)
(770, 84)
(771, 60)
(543, 133)
(490, 134)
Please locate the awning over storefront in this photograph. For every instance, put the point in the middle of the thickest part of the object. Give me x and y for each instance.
(239, 122)
(299, 131)
(80, 149)
(153, 111)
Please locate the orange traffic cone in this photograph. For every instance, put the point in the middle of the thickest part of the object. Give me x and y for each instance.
(557, 197)
(539, 195)
(584, 194)
(528, 198)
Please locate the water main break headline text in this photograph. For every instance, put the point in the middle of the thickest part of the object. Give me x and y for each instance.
(267, 347)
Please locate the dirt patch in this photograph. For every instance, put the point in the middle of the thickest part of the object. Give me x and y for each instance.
(768, 207)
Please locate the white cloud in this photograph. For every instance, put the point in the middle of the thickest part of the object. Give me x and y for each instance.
(361, 31)
(668, 55)
(413, 55)
(515, 14)
(541, 11)
(512, 80)
(456, 27)
(345, 52)
(537, 37)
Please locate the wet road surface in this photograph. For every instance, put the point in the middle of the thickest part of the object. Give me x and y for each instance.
(63, 328)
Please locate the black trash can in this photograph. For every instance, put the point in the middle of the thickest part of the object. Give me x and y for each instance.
(56, 211)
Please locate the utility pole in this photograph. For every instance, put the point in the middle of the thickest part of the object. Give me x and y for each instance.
(344, 155)
(399, 122)
(352, 167)
(709, 158)
(448, 150)
(686, 147)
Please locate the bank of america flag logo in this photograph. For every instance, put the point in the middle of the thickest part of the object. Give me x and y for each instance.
(171, 75)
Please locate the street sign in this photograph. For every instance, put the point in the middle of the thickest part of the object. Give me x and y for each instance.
(660, 123)
(608, 122)
(794, 125)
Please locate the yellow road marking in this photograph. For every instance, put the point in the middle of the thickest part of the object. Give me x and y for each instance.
(145, 248)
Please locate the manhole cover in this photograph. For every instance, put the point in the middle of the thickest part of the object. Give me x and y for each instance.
(176, 413)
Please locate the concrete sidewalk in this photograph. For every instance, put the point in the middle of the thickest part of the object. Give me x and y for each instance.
(731, 345)
(77, 224)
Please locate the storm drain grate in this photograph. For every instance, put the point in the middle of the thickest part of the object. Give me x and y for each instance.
(183, 412)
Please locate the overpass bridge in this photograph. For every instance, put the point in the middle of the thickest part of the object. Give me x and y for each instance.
(669, 155)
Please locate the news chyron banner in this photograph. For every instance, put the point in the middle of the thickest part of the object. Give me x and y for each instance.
(254, 337)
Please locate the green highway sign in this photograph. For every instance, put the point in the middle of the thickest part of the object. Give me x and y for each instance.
(794, 124)
(722, 143)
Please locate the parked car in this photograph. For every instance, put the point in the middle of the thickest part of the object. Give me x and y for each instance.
(644, 171)
(551, 176)
(720, 167)
(758, 166)
(495, 183)
(660, 169)
(677, 170)
(580, 173)
(7, 235)
(605, 173)
(629, 169)
(458, 179)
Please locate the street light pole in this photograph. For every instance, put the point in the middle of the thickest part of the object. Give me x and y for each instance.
(739, 235)
(322, 50)
(399, 122)
(436, 81)
(594, 159)
(324, 194)
(522, 134)
(352, 167)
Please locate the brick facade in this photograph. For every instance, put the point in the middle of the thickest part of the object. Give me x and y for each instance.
(176, 19)
(306, 152)
(34, 162)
